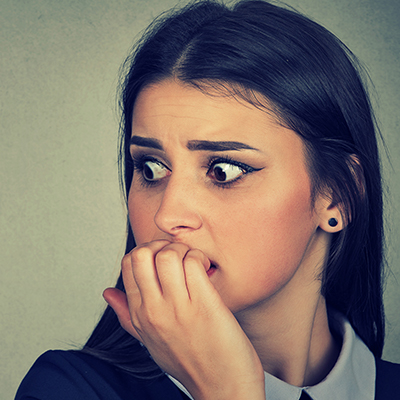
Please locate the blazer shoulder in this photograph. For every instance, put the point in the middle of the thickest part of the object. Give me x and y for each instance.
(73, 375)
(387, 380)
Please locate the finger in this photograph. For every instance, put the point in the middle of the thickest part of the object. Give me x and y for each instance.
(198, 283)
(169, 267)
(117, 300)
(127, 276)
(133, 296)
(141, 268)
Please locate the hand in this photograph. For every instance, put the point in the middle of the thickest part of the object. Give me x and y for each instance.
(174, 310)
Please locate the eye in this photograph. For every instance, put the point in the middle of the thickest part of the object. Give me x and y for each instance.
(149, 169)
(223, 172)
(153, 170)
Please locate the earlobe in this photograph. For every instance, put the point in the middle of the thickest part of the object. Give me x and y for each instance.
(330, 215)
(331, 218)
(333, 223)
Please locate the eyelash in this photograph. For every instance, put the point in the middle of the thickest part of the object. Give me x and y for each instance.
(139, 161)
(227, 160)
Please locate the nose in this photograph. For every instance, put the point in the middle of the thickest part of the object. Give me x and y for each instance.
(178, 211)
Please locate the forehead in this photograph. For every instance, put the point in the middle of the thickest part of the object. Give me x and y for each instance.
(217, 90)
(171, 103)
(176, 97)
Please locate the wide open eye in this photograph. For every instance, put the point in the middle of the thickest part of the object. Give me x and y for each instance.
(223, 172)
(154, 170)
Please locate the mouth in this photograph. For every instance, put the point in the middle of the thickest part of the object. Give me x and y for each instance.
(212, 269)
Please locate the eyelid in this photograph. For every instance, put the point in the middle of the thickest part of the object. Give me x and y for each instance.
(138, 152)
(139, 160)
(247, 169)
(140, 156)
(228, 160)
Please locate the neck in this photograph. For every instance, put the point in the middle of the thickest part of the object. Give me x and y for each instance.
(299, 350)
(290, 333)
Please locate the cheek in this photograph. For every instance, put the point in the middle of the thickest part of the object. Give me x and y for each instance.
(268, 239)
(141, 217)
(285, 226)
(273, 220)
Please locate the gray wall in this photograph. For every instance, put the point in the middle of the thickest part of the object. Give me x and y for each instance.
(61, 216)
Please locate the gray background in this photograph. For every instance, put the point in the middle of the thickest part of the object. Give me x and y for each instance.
(62, 220)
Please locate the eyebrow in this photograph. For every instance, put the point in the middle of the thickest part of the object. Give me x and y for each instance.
(145, 142)
(208, 145)
(194, 145)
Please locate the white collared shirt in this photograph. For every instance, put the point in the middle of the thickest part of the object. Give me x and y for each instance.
(352, 377)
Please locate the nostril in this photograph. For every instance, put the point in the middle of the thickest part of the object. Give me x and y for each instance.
(174, 216)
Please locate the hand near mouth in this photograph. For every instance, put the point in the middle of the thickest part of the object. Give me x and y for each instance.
(172, 307)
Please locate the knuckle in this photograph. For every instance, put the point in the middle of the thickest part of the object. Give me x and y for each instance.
(141, 255)
(167, 255)
(126, 261)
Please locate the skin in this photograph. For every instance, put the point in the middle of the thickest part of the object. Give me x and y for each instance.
(258, 308)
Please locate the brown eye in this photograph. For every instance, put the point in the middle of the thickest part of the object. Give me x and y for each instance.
(225, 172)
(154, 171)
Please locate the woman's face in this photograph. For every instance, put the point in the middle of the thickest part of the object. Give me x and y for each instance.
(220, 175)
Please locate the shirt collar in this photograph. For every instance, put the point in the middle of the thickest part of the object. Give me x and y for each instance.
(352, 377)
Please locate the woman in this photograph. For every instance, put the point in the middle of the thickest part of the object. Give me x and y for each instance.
(254, 254)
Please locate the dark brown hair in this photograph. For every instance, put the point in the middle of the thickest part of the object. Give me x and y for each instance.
(280, 60)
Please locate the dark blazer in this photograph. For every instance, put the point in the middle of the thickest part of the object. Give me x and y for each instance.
(387, 380)
(72, 375)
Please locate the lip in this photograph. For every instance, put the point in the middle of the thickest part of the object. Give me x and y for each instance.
(212, 269)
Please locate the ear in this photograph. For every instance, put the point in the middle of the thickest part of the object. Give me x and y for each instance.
(331, 210)
(330, 215)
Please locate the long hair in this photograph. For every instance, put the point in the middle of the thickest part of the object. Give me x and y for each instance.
(284, 63)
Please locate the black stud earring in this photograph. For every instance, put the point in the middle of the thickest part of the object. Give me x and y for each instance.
(333, 222)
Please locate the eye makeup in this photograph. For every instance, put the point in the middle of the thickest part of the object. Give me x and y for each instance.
(225, 171)
(151, 171)
(222, 171)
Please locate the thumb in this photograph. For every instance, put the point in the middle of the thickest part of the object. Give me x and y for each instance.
(117, 300)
